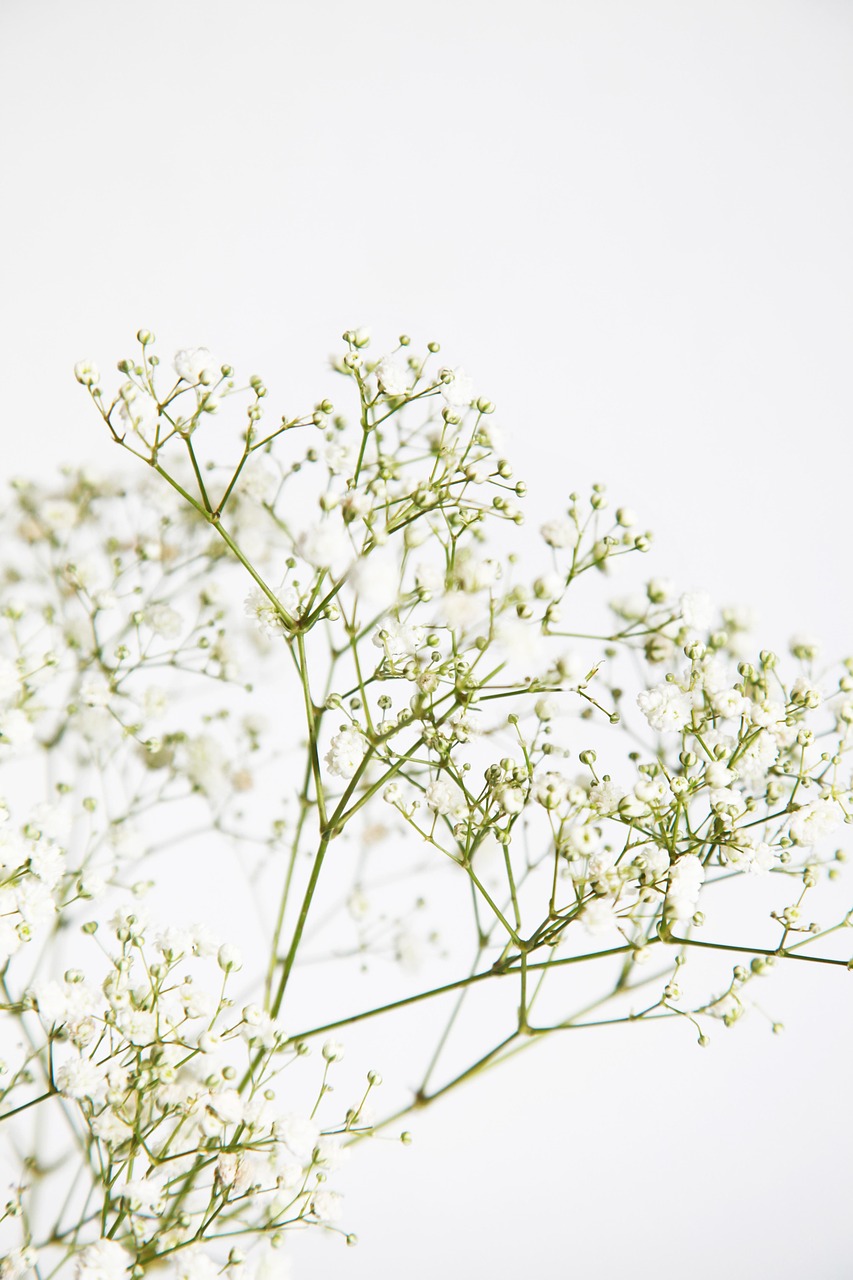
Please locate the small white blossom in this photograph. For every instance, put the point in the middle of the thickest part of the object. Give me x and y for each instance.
(813, 822)
(328, 1205)
(443, 795)
(686, 877)
(205, 764)
(599, 917)
(326, 546)
(730, 704)
(16, 729)
(86, 372)
(81, 1078)
(605, 797)
(458, 390)
(757, 757)
(299, 1133)
(139, 413)
(393, 376)
(192, 362)
(398, 639)
(560, 533)
(104, 1260)
(164, 620)
(511, 799)
(261, 609)
(666, 707)
(697, 610)
(550, 790)
(229, 957)
(345, 753)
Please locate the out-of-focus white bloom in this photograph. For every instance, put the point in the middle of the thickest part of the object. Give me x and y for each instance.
(86, 372)
(203, 761)
(803, 691)
(328, 1205)
(111, 1129)
(520, 642)
(755, 759)
(104, 1260)
(143, 1195)
(806, 647)
(660, 590)
(666, 707)
(584, 838)
(95, 690)
(164, 620)
(459, 611)
(59, 514)
(300, 1135)
(686, 877)
(730, 703)
(192, 362)
(81, 1078)
(260, 608)
(17, 1265)
(713, 674)
(474, 573)
(10, 680)
(326, 546)
(458, 391)
(393, 376)
(814, 821)
(139, 413)
(376, 579)
(399, 639)
(339, 457)
(599, 916)
(229, 957)
(510, 798)
(561, 532)
(697, 610)
(16, 729)
(192, 1264)
(550, 790)
(345, 753)
(430, 577)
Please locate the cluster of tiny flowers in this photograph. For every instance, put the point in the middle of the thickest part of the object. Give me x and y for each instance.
(168, 1085)
(351, 583)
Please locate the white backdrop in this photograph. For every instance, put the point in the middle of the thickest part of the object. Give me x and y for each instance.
(631, 223)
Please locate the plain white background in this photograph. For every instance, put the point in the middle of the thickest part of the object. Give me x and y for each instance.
(631, 223)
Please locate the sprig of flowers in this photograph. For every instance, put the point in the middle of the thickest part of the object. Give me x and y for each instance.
(473, 789)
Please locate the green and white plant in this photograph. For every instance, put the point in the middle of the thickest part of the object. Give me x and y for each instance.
(320, 657)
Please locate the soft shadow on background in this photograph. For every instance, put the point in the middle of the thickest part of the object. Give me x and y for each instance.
(631, 223)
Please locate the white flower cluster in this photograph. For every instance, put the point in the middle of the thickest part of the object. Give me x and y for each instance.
(410, 657)
(150, 1061)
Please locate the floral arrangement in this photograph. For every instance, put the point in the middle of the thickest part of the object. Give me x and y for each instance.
(319, 664)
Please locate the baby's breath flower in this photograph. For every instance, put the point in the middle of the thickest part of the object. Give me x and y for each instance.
(456, 388)
(105, 1260)
(87, 373)
(193, 363)
(685, 882)
(345, 753)
(697, 610)
(667, 708)
(560, 533)
(393, 376)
